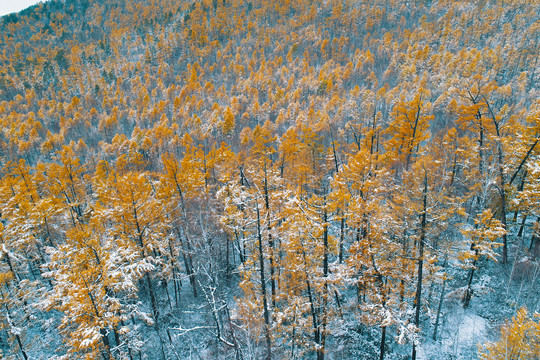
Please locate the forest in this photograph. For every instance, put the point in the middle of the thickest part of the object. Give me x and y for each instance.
(270, 179)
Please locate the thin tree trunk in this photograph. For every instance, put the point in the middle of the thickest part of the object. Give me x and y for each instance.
(322, 334)
(153, 301)
(270, 240)
(411, 142)
(188, 261)
(520, 189)
(19, 342)
(237, 349)
(227, 261)
(383, 343)
(141, 244)
(501, 183)
(106, 343)
(534, 238)
(503, 206)
(239, 247)
(341, 238)
(102, 331)
(165, 286)
(522, 226)
(315, 321)
(468, 291)
(17, 336)
(523, 161)
(263, 289)
(418, 298)
(316, 328)
(439, 308)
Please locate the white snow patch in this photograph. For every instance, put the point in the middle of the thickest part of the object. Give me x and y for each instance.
(460, 333)
(465, 330)
(472, 329)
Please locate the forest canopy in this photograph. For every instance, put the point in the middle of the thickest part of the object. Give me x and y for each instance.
(269, 179)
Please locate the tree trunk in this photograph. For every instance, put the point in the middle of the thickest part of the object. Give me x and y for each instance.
(383, 343)
(503, 197)
(19, 342)
(534, 247)
(522, 226)
(263, 289)
(106, 343)
(440, 305)
(411, 142)
(502, 184)
(523, 161)
(520, 189)
(468, 291)
(418, 298)
(316, 328)
(174, 276)
(270, 240)
(188, 260)
(322, 333)
(341, 238)
(153, 301)
(239, 247)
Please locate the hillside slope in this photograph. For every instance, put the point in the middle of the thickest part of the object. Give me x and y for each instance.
(269, 179)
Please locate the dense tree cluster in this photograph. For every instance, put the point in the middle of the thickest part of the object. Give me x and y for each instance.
(264, 179)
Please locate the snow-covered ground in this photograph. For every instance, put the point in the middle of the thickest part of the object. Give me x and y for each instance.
(461, 332)
(460, 336)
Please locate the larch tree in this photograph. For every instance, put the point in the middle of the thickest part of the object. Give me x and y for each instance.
(374, 273)
(96, 296)
(182, 181)
(520, 339)
(127, 203)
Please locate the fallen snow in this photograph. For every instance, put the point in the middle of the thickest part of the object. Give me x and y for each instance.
(472, 329)
(459, 336)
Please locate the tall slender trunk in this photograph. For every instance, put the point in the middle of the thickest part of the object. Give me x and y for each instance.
(534, 239)
(237, 349)
(436, 327)
(502, 184)
(19, 342)
(103, 332)
(175, 277)
(523, 161)
(418, 298)
(315, 322)
(415, 128)
(481, 149)
(468, 291)
(325, 242)
(227, 255)
(239, 247)
(263, 288)
(524, 216)
(522, 226)
(322, 332)
(141, 244)
(382, 292)
(188, 260)
(270, 240)
(17, 336)
(383, 343)
(341, 237)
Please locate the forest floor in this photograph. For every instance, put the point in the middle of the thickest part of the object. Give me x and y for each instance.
(499, 292)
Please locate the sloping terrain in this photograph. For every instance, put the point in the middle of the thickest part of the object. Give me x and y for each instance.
(270, 180)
